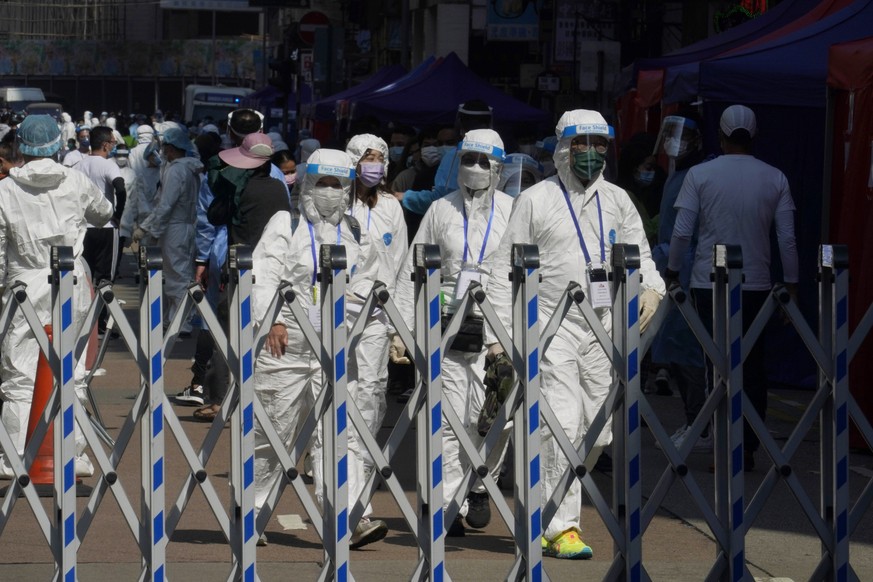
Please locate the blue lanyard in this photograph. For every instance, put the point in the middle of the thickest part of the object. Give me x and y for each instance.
(579, 230)
(487, 232)
(312, 246)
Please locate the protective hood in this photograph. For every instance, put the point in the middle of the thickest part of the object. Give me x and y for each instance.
(42, 174)
(571, 124)
(359, 145)
(488, 142)
(110, 122)
(144, 134)
(306, 147)
(327, 162)
(66, 117)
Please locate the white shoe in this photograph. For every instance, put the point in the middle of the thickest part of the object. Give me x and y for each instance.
(676, 437)
(367, 532)
(703, 444)
(84, 467)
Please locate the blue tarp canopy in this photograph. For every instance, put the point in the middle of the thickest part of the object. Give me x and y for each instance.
(433, 97)
(269, 96)
(325, 109)
(681, 67)
(790, 70)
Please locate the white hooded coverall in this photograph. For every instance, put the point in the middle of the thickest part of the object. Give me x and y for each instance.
(576, 374)
(463, 373)
(287, 386)
(42, 204)
(368, 372)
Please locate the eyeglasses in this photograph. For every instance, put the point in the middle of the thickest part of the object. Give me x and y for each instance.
(583, 146)
(473, 159)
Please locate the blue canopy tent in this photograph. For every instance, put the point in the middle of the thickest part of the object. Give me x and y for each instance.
(325, 109)
(433, 97)
(680, 67)
(784, 82)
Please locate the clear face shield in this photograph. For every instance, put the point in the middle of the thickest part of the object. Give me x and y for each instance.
(677, 136)
(520, 172)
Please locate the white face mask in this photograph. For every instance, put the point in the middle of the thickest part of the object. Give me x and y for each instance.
(474, 177)
(675, 148)
(329, 202)
(122, 162)
(431, 156)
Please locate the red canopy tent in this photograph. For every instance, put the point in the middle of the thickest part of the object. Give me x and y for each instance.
(850, 79)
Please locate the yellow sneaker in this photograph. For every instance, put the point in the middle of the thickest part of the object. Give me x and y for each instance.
(568, 546)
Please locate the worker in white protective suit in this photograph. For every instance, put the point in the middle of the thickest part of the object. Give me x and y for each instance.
(145, 160)
(288, 375)
(574, 218)
(42, 204)
(380, 214)
(172, 222)
(137, 207)
(468, 225)
(68, 129)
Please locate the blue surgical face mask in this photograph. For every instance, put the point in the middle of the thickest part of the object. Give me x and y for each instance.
(395, 153)
(646, 177)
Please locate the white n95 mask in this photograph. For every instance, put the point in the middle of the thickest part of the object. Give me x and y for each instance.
(431, 156)
(474, 177)
(329, 202)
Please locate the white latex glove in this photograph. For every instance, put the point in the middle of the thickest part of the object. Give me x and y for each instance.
(494, 350)
(397, 351)
(138, 234)
(649, 300)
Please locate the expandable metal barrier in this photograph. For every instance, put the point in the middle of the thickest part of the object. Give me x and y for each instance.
(626, 518)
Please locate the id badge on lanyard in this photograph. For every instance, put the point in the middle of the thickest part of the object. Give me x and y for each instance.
(469, 274)
(315, 308)
(599, 291)
(472, 272)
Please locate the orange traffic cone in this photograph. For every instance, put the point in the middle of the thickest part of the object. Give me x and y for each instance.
(42, 471)
(93, 341)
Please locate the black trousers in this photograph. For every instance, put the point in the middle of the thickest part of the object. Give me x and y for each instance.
(100, 250)
(754, 378)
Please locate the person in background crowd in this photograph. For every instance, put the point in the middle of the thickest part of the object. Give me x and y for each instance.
(10, 158)
(643, 179)
(400, 137)
(101, 241)
(675, 346)
(83, 137)
(737, 199)
(172, 221)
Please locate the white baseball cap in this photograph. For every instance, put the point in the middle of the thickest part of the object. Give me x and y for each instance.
(738, 117)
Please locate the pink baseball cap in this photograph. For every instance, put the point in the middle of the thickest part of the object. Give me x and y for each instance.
(255, 150)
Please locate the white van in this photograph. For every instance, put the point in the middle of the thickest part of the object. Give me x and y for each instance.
(18, 98)
(214, 101)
